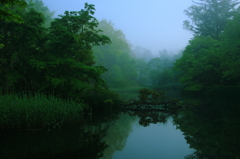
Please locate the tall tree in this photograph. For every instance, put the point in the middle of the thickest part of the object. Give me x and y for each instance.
(209, 17)
(39, 6)
(67, 64)
(199, 65)
(8, 14)
(6, 11)
(21, 42)
(154, 69)
(59, 59)
(229, 52)
(117, 57)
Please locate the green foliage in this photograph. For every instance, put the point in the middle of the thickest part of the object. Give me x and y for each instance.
(158, 71)
(7, 14)
(212, 59)
(199, 65)
(153, 68)
(209, 17)
(22, 41)
(229, 48)
(142, 53)
(144, 95)
(103, 99)
(142, 72)
(36, 112)
(127, 93)
(39, 6)
(55, 61)
(116, 58)
(151, 96)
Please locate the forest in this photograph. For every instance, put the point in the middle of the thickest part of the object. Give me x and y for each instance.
(73, 86)
(75, 64)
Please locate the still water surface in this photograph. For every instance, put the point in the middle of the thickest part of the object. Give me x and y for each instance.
(154, 142)
(209, 129)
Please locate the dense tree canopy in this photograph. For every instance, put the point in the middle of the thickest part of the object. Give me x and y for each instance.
(158, 71)
(229, 52)
(58, 60)
(199, 65)
(212, 55)
(39, 6)
(9, 15)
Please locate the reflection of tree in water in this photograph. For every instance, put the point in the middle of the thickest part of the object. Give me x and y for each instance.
(148, 117)
(212, 130)
(117, 135)
(69, 143)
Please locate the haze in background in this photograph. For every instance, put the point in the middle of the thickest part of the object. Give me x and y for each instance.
(152, 24)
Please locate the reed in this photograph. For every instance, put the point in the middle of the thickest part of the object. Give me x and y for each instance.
(20, 112)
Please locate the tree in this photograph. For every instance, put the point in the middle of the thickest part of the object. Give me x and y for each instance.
(199, 65)
(58, 61)
(154, 68)
(209, 17)
(140, 52)
(142, 78)
(202, 63)
(7, 14)
(21, 42)
(68, 62)
(39, 6)
(229, 52)
(116, 57)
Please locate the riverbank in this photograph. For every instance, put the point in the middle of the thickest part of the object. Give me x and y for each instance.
(20, 112)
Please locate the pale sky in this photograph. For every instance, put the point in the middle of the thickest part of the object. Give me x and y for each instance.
(152, 24)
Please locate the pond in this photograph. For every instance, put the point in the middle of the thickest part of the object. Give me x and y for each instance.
(206, 129)
(160, 140)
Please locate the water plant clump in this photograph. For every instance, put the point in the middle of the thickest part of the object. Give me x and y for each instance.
(37, 112)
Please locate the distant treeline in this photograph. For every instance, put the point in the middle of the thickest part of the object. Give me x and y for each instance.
(128, 66)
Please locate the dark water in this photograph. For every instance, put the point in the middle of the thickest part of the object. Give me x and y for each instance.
(206, 129)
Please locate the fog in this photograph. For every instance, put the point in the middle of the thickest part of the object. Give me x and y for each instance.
(152, 24)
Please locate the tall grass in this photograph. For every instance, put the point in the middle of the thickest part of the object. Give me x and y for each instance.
(37, 112)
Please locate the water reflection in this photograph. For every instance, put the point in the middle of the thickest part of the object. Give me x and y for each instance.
(82, 142)
(144, 134)
(148, 117)
(212, 129)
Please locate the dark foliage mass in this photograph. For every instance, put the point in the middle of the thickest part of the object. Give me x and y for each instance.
(212, 57)
(54, 60)
(47, 67)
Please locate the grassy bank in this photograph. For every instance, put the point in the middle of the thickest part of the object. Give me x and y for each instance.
(38, 112)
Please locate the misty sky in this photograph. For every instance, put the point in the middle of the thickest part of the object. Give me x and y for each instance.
(152, 24)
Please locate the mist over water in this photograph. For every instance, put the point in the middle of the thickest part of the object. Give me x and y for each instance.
(119, 78)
